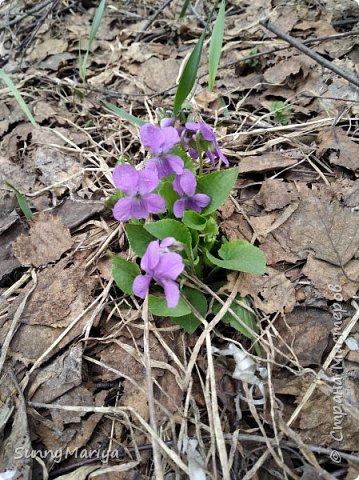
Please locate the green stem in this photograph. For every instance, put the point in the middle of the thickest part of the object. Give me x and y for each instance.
(212, 272)
(189, 256)
(200, 164)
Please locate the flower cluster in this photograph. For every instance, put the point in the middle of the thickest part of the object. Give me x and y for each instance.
(139, 198)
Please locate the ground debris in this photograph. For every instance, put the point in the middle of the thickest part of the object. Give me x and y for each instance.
(47, 241)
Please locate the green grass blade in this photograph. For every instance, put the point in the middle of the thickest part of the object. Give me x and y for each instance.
(189, 75)
(21, 201)
(216, 45)
(190, 70)
(184, 8)
(96, 22)
(123, 114)
(8, 82)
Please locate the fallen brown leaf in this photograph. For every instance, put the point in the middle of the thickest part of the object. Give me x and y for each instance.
(323, 274)
(284, 69)
(48, 239)
(264, 163)
(57, 167)
(320, 225)
(58, 377)
(336, 140)
(307, 332)
(276, 194)
(17, 439)
(271, 293)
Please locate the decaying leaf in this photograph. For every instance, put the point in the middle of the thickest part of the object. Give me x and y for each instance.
(320, 225)
(62, 294)
(289, 67)
(148, 71)
(18, 441)
(57, 167)
(8, 262)
(57, 378)
(323, 275)
(271, 293)
(318, 419)
(276, 194)
(344, 151)
(75, 212)
(265, 163)
(307, 332)
(48, 239)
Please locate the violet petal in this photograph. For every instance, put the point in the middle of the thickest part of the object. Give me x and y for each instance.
(122, 211)
(169, 266)
(151, 258)
(148, 180)
(141, 285)
(179, 207)
(172, 293)
(155, 203)
(125, 178)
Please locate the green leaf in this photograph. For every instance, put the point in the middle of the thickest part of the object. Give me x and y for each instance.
(211, 227)
(96, 22)
(190, 322)
(194, 220)
(22, 202)
(139, 238)
(170, 228)
(248, 317)
(124, 273)
(123, 114)
(15, 92)
(170, 196)
(189, 75)
(216, 46)
(218, 186)
(184, 8)
(240, 256)
(112, 199)
(158, 306)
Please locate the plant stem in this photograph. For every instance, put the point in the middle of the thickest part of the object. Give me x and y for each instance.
(189, 256)
(200, 164)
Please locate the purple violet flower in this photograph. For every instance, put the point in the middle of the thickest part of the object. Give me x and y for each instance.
(162, 266)
(159, 142)
(185, 185)
(207, 134)
(138, 186)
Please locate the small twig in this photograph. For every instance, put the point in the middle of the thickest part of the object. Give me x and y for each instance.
(152, 19)
(346, 21)
(16, 322)
(26, 14)
(310, 53)
(27, 41)
(151, 404)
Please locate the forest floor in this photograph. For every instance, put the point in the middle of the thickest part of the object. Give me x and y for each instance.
(73, 387)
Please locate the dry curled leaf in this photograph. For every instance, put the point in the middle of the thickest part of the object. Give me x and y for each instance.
(306, 332)
(47, 241)
(343, 151)
(323, 275)
(276, 194)
(265, 163)
(271, 293)
(320, 225)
